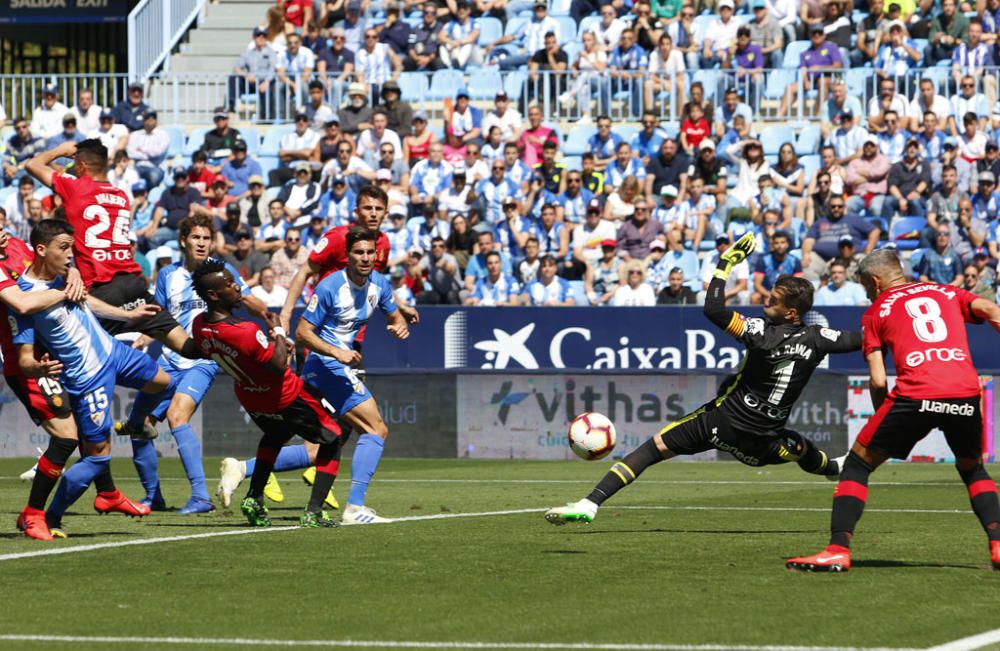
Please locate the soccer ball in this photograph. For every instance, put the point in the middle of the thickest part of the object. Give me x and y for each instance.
(592, 436)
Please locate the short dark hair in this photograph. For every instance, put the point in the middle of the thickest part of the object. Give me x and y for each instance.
(275, 201)
(49, 229)
(373, 192)
(197, 220)
(780, 233)
(207, 268)
(92, 153)
(359, 234)
(796, 293)
(199, 156)
(495, 254)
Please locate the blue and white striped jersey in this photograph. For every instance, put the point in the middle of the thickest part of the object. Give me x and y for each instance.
(374, 66)
(491, 294)
(430, 179)
(493, 195)
(69, 331)
(175, 293)
(339, 308)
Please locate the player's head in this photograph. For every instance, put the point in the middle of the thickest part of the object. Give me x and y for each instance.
(361, 250)
(216, 286)
(879, 271)
(196, 234)
(91, 158)
(52, 240)
(372, 205)
(790, 299)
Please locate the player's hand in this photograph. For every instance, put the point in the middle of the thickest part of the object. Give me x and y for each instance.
(142, 343)
(410, 314)
(46, 367)
(272, 320)
(75, 290)
(285, 320)
(143, 311)
(67, 149)
(348, 357)
(399, 331)
(741, 250)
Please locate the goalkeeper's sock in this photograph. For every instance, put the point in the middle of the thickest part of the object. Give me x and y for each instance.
(50, 469)
(367, 454)
(849, 499)
(327, 466)
(189, 449)
(626, 471)
(291, 457)
(74, 482)
(146, 466)
(983, 497)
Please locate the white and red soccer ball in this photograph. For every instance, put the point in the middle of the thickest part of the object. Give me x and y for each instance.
(592, 436)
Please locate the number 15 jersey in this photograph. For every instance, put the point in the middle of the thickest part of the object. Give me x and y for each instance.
(99, 213)
(923, 326)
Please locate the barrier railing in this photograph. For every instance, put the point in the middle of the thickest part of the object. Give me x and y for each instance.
(154, 27)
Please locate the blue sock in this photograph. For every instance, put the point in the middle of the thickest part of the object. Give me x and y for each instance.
(74, 482)
(143, 406)
(189, 449)
(147, 466)
(367, 454)
(291, 457)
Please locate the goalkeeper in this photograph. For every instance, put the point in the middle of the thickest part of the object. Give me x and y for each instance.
(747, 417)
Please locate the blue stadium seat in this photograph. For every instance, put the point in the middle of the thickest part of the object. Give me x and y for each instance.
(195, 139)
(673, 128)
(808, 141)
(919, 44)
(252, 138)
(572, 50)
(555, 128)
(514, 24)
(701, 23)
(567, 29)
(810, 164)
(585, 25)
(576, 140)
(777, 81)
(882, 224)
(485, 84)
(514, 82)
(857, 79)
(710, 80)
(413, 86)
(176, 133)
(560, 8)
(792, 52)
(445, 83)
(940, 76)
(268, 163)
(490, 29)
(271, 193)
(626, 131)
(774, 136)
(902, 226)
(916, 257)
(579, 292)
(6, 192)
(272, 139)
(572, 162)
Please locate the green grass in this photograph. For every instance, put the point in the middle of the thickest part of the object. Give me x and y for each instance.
(637, 575)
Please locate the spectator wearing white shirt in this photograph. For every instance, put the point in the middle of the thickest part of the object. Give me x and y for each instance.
(927, 100)
(354, 170)
(609, 29)
(967, 100)
(112, 135)
(840, 291)
(372, 139)
(504, 116)
(719, 35)
(847, 139)
(300, 196)
(633, 290)
(46, 120)
(786, 12)
(588, 237)
(529, 36)
(295, 146)
(737, 285)
(376, 63)
(971, 149)
(496, 288)
(269, 292)
(148, 148)
(886, 100)
(458, 40)
(87, 113)
(16, 206)
(666, 73)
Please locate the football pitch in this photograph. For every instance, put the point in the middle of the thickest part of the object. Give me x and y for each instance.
(688, 558)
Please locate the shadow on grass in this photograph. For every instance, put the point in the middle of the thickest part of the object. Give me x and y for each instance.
(198, 525)
(877, 563)
(722, 532)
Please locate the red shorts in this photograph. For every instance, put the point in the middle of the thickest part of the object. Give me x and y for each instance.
(306, 416)
(900, 423)
(44, 398)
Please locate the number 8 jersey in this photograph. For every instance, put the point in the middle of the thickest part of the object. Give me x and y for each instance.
(100, 214)
(923, 326)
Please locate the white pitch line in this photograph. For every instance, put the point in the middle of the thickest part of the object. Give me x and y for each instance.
(970, 643)
(393, 644)
(802, 509)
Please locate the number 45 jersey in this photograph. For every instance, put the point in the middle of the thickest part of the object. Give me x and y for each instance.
(100, 214)
(922, 325)
(778, 363)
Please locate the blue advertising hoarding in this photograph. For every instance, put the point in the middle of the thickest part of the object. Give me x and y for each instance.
(666, 339)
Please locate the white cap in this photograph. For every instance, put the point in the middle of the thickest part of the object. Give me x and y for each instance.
(726, 3)
(669, 191)
(398, 209)
(163, 252)
(707, 143)
(872, 138)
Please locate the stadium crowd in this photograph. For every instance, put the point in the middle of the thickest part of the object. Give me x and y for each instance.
(488, 209)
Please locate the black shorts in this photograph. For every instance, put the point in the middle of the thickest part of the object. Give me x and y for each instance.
(129, 291)
(307, 416)
(900, 423)
(709, 427)
(44, 398)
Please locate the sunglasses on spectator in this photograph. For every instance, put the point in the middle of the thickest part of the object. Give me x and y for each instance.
(510, 206)
(641, 208)
(499, 168)
(967, 85)
(388, 151)
(824, 182)
(574, 180)
(635, 272)
(770, 223)
(292, 239)
(838, 206)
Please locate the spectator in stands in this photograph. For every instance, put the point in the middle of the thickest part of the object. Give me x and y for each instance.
(504, 116)
(496, 288)
(633, 290)
(457, 197)
(602, 277)
(174, 205)
(529, 38)
(670, 167)
(21, 147)
(268, 291)
(141, 225)
(948, 29)
(395, 32)
(122, 174)
(220, 141)
(982, 264)
(293, 68)
(967, 101)
(747, 59)
(593, 179)
(130, 111)
(335, 64)
(547, 68)
(897, 53)
(441, 271)
(737, 292)
(941, 264)
(638, 231)
(356, 115)
(839, 291)
(462, 240)
(429, 177)
(476, 267)
(336, 206)
(628, 64)
(697, 97)
(587, 237)
(621, 203)
(46, 119)
(823, 238)
(398, 112)
(819, 61)
(301, 195)
(870, 33)
(683, 34)
(927, 100)
(548, 289)
(709, 169)
(255, 72)
(943, 206)
(217, 200)
(400, 239)
(239, 169)
(271, 236)
(788, 174)
(465, 126)
(986, 200)
(16, 206)
(295, 146)
(246, 259)
(513, 230)
(112, 135)
(677, 256)
(148, 148)
(971, 58)
(849, 256)
(287, 260)
(699, 214)
(752, 166)
(533, 139)
(647, 142)
(69, 133)
(552, 235)
(887, 101)
(199, 174)
(766, 33)
(719, 35)
(604, 143)
(972, 282)
(459, 39)
(86, 112)
(676, 292)
(425, 38)
(694, 130)
(867, 180)
(399, 172)
(573, 202)
(353, 25)
(551, 173)
(648, 27)
(376, 64)
(416, 146)
(495, 190)
(609, 29)
(892, 141)
(228, 230)
(725, 114)
(666, 79)
(836, 105)
(298, 13)
(848, 139)
(769, 266)
(625, 165)
(909, 183)
(371, 140)
(971, 150)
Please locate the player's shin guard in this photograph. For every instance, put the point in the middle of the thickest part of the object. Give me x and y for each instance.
(849, 500)
(268, 450)
(50, 468)
(983, 496)
(290, 457)
(626, 471)
(189, 449)
(367, 455)
(146, 466)
(74, 482)
(327, 466)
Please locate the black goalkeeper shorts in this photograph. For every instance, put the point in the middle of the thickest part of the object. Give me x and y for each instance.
(129, 291)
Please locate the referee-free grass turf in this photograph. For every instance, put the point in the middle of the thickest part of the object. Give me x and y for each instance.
(692, 553)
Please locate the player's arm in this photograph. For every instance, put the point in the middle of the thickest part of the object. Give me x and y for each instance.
(295, 289)
(38, 166)
(878, 386)
(837, 341)
(731, 322)
(107, 311)
(37, 368)
(257, 308)
(279, 358)
(305, 334)
(987, 311)
(24, 302)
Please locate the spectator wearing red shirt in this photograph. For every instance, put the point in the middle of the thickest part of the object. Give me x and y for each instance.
(200, 177)
(297, 14)
(694, 129)
(218, 198)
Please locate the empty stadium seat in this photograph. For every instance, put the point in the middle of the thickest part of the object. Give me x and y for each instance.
(413, 86)
(560, 8)
(579, 292)
(916, 257)
(710, 80)
(576, 139)
(808, 141)
(810, 164)
(567, 29)
(514, 82)
(514, 24)
(445, 83)
(777, 81)
(195, 140)
(792, 52)
(252, 138)
(490, 29)
(585, 25)
(176, 134)
(485, 83)
(272, 139)
(572, 162)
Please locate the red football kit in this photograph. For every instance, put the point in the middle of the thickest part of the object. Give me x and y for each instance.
(99, 213)
(330, 252)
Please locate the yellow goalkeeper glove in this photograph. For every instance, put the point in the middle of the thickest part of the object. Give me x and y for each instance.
(734, 255)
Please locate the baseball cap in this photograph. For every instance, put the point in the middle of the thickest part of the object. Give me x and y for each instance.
(161, 252)
(894, 24)
(459, 170)
(180, 170)
(220, 114)
(726, 3)
(669, 191)
(541, 3)
(106, 115)
(816, 29)
(657, 245)
(302, 166)
(338, 31)
(256, 179)
(301, 116)
(722, 239)
(259, 31)
(707, 143)
(759, 4)
(502, 94)
(950, 141)
(846, 115)
(991, 145)
(339, 179)
(244, 235)
(220, 179)
(50, 89)
(462, 92)
(594, 206)
(390, 86)
(232, 208)
(333, 119)
(149, 114)
(139, 186)
(980, 252)
(356, 88)
(316, 83)
(845, 239)
(609, 243)
(420, 115)
(354, 5)
(986, 177)
(383, 175)
(136, 85)
(399, 210)
(240, 145)
(872, 139)
(415, 250)
(69, 118)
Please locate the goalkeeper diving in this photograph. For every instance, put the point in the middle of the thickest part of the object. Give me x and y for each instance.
(747, 418)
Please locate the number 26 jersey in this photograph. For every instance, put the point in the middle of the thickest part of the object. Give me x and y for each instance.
(923, 326)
